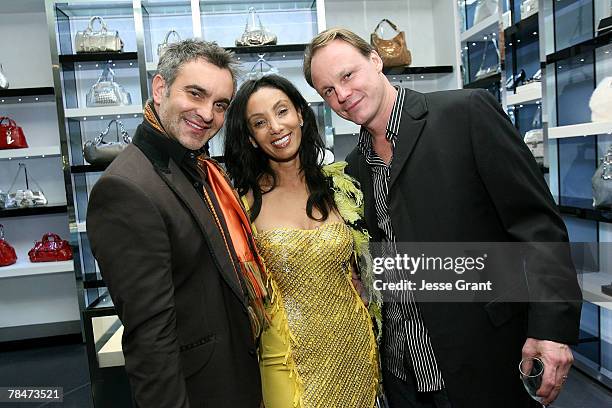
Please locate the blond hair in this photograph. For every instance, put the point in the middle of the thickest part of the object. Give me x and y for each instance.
(325, 38)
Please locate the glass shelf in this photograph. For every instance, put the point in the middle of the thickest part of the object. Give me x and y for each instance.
(92, 8)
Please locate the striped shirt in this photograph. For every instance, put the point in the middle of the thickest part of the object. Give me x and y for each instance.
(404, 328)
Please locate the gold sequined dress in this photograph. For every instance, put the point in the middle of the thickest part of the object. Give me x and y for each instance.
(320, 349)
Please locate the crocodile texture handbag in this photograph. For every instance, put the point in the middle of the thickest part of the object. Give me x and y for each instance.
(50, 249)
(393, 52)
(255, 33)
(101, 152)
(107, 92)
(102, 40)
(7, 252)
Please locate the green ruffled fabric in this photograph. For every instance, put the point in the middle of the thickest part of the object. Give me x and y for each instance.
(349, 201)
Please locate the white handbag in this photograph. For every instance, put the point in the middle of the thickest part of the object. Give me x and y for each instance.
(601, 101)
(484, 9)
(534, 138)
(528, 8)
(102, 40)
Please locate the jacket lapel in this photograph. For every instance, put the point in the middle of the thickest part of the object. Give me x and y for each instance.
(176, 180)
(367, 187)
(411, 127)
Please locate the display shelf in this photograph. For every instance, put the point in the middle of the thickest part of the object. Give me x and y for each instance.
(582, 129)
(591, 283)
(30, 152)
(580, 48)
(525, 94)
(102, 112)
(478, 31)
(43, 210)
(583, 208)
(484, 82)
(78, 227)
(529, 24)
(265, 49)
(87, 168)
(98, 56)
(24, 267)
(17, 92)
(442, 69)
(111, 353)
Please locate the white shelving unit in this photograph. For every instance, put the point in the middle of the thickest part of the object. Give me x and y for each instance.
(45, 151)
(111, 353)
(478, 31)
(24, 267)
(582, 129)
(525, 94)
(109, 112)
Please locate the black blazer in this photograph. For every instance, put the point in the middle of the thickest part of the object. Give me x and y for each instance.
(461, 173)
(187, 340)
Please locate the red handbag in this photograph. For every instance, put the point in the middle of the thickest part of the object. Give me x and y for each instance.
(51, 249)
(11, 135)
(7, 252)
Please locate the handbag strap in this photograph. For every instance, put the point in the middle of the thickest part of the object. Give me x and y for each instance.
(124, 133)
(1, 232)
(27, 181)
(56, 238)
(384, 20)
(11, 122)
(536, 123)
(91, 23)
(169, 33)
(107, 74)
(251, 19)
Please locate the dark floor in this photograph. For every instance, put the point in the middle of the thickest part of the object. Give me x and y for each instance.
(66, 366)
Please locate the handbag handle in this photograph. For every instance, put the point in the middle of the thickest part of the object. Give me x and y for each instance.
(91, 23)
(1, 232)
(251, 17)
(25, 169)
(107, 74)
(56, 238)
(384, 20)
(169, 33)
(124, 133)
(536, 123)
(11, 122)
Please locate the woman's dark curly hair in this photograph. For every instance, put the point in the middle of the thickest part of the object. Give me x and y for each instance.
(247, 165)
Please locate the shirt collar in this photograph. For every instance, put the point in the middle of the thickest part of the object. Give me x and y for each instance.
(392, 129)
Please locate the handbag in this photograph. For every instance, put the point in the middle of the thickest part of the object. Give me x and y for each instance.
(534, 138)
(483, 71)
(24, 198)
(528, 8)
(101, 152)
(484, 9)
(255, 33)
(601, 101)
(260, 69)
(7, 252)
(101, 40)
(161, 48)
(393, 52)
(11, 135)
(602, 182)
(107, 92)
(4, 83)
(50, 249)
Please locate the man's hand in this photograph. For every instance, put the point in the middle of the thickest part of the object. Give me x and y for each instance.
(557, 360)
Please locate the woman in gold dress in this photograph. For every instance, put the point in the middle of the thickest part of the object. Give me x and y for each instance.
(319, 348)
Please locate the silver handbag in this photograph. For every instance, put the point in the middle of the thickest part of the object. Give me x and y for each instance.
(101, 40)
(260, 69)
(602, 182)
(106, 92)
(4, 83)
(528, 8)
(161, 48)
(24, 198)
(101, 152)
(483, 71)
(255, 33)
(534, 138)
(484, 9)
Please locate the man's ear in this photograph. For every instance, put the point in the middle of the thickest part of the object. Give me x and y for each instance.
(376, 60)
(159, 88)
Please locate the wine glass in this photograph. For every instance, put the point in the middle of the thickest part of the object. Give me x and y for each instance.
(532, 370)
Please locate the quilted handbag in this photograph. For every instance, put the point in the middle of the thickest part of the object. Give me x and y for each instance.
(11, 135)
(255, 33)
(528, 8)
(601, 101)
(393, 52)
(602, 182)
(7, 252)
(50, 249)
(161, 48)
(4, 83)
(24, 198)
(101, 40)
(107, 92)
(534, 138)
(484, 9)
(101, 152)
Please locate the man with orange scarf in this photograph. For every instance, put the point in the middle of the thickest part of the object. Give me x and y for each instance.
(174, 245)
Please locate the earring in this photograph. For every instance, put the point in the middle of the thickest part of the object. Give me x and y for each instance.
(301, 124)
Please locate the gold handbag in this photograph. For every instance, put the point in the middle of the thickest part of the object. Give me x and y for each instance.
(393, 52)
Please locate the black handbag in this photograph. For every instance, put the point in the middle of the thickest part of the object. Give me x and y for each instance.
(101, 152)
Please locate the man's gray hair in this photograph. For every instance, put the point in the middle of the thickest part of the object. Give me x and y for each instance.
(185, 51)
